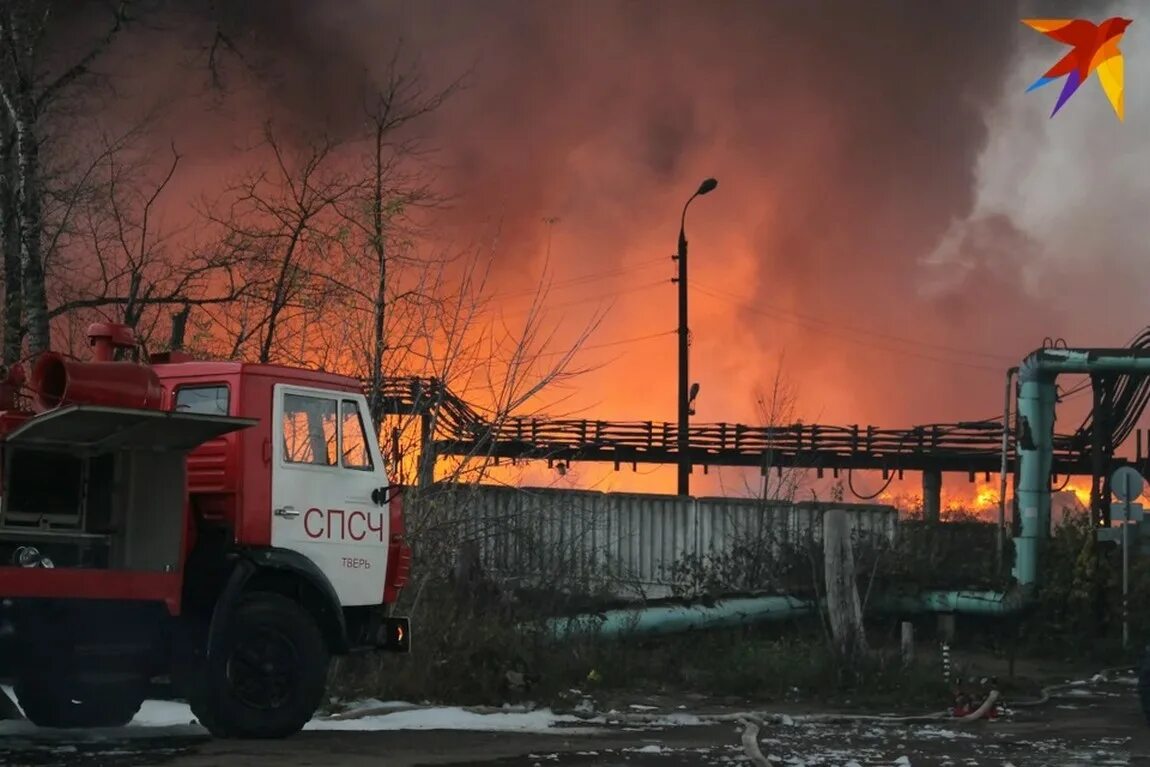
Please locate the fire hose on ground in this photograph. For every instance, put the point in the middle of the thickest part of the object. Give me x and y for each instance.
(751, 726)
(1046, 694)
(753, 723)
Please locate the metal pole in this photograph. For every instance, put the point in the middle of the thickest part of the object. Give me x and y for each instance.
(1126, 512)
(1001, 537)
(683, 446)
(683, 442)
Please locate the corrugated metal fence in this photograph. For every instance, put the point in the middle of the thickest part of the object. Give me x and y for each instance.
(630, 544)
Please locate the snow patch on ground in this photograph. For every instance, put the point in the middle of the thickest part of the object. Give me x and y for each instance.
(542, 721)
(372, 704)
(942, 733)
(171, 718)
(667, 720)
(157, 718)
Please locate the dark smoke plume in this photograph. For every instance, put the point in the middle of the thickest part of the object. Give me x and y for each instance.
(845, 136)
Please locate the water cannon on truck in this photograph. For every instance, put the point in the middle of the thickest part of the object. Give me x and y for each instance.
(227, 527)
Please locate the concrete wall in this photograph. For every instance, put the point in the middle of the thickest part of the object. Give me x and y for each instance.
(627, 543)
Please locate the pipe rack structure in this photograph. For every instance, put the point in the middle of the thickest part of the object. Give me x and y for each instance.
(451, 427)
(1034, 452)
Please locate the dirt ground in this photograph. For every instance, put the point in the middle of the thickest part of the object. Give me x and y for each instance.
(1094, 724)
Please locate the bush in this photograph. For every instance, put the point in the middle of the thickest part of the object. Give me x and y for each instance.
(460, 652)
(1077, 612)
(754, 566)
(1079, 597)
(951, 555)
(790, 663)
(479, 642)
(497, 654)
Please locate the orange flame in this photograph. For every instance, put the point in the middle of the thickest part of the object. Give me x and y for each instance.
(980, 498)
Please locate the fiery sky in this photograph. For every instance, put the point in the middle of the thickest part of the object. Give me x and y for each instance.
(896, 221)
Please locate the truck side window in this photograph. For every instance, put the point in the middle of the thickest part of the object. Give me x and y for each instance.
(356, 454)
(310, 430)
(208, 400)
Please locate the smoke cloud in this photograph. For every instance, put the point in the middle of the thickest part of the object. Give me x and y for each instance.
(895, 217)
(845, 138)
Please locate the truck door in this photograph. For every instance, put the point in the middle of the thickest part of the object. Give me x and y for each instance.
(329, 489)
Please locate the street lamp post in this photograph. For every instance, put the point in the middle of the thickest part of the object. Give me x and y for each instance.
(683, 445)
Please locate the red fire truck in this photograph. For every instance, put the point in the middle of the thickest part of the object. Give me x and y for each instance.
(221, 527)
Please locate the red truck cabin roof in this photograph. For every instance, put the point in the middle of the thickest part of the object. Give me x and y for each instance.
(229, 478)
(202, 370)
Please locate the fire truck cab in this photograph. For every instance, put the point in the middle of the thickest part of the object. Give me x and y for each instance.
(221, 527)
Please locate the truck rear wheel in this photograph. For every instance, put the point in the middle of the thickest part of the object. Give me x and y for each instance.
(53, 702)
(266, 671)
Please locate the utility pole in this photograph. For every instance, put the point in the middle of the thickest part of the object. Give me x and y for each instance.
(683, 445)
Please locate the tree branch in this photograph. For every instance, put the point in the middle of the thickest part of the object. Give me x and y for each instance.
(83, 66)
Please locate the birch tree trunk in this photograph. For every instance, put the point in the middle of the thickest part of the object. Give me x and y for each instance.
(31, 225)
(10, 244)
(28, 89)
(20, 30)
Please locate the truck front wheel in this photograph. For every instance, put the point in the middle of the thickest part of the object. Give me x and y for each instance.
(265, 673)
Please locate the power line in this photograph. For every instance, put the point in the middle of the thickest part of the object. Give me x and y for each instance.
(583, 279)
(589, 299)
(636, 339)
(608, 344)
(1062, 397)
(875, 333)
(857, 341)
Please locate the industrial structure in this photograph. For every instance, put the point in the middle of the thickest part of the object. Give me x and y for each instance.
(452, 428)
(1028, 448)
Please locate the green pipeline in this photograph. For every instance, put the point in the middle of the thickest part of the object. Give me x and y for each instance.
(992, 603)
(743, 611)
(675, 619)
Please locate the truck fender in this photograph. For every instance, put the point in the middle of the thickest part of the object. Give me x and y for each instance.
(325, 606)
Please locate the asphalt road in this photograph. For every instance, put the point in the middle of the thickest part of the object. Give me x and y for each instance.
(1096, 725)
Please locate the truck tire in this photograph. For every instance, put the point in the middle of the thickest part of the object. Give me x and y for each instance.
(51, 702)
(266, 671)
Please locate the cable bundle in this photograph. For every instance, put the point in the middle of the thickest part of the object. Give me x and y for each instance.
(1131, 394)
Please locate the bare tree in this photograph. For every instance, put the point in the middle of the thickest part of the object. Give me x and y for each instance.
(378, 213)
(280, 224)
(506, 365)
(31, 86)
(10, 242)
(130, 268)
(512, 364)
(778, 412)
